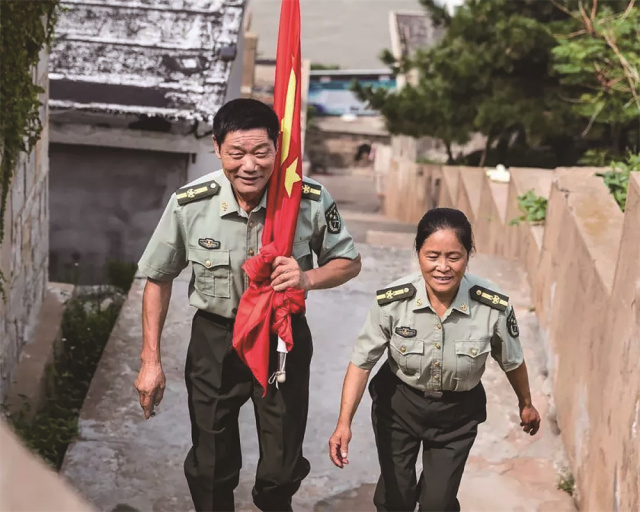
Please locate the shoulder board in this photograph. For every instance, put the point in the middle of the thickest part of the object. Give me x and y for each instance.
(311, 191)
(400, 292)
(188, 194)
(489, 297)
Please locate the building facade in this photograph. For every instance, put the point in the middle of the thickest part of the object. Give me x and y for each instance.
(134, 88)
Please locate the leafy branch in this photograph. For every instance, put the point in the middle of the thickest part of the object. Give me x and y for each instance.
(617, 178)
(533, 208)
(23, 35)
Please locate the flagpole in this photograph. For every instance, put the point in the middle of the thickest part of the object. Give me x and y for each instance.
(282, 63)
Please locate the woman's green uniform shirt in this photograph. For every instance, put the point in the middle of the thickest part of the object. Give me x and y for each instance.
(433, 354)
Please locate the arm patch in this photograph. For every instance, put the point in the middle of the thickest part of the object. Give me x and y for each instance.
(387, 295)
(334, 222)
(189, 194)
(489, 297)
(512, 324)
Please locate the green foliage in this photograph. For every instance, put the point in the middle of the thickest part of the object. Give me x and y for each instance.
(567, 482)
(596, 157)
(598, 58)
(617, 179)
(498, 71)
(23, 35)
(533, 206)
(121, 274)
(85, 329)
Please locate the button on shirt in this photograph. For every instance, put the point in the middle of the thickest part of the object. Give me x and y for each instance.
(434, 354)
(216, 236)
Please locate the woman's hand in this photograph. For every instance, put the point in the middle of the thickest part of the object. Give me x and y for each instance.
(339, 445)
(530, 419)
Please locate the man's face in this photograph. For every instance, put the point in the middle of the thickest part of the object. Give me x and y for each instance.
(247, 158)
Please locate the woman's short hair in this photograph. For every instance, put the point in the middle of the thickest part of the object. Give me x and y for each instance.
(245, 114)
(445, 218)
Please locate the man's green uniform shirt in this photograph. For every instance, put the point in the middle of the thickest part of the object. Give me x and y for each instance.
(203, 225)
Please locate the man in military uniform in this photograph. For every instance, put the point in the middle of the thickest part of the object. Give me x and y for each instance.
(215, 223)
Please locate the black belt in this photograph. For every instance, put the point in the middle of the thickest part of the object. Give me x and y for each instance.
(445, 395)
(217, 319)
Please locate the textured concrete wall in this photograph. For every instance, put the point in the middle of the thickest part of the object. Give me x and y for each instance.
(583, 266)
(105, 203)
(25, 248)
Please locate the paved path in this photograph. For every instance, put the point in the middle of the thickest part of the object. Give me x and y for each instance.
(122, 462)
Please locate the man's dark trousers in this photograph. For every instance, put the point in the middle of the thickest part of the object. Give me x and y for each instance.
(218, 384)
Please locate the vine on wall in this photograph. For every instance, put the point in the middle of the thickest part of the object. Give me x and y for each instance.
(25, 28)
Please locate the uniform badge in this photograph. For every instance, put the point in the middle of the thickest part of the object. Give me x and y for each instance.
(403, 291)
(490, 298)
(334, 222)
(193, 193)
(209, 243)
(512, 324)
(311, 191)
(406, 332)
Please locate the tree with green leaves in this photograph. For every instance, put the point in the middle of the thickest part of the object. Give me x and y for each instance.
(493, 72)
(598, 60)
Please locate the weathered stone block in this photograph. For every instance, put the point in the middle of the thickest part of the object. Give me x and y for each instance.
(18, 193)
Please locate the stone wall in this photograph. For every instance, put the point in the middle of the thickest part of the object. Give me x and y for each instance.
(25, 248)
(583, 266)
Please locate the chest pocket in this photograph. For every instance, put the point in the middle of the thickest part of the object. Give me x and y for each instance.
(407, 353)
(302, 253)
(471, 357)
(212, 270)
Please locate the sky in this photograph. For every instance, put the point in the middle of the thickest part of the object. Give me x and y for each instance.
(349, 33)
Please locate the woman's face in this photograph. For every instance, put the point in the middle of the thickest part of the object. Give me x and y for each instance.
(443, 261)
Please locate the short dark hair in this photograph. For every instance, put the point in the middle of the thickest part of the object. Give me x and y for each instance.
(445, 218)
(245, 114)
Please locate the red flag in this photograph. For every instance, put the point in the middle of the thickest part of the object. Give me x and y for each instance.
(263, 311)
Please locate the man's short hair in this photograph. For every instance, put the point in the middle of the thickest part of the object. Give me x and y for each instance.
(245, 114)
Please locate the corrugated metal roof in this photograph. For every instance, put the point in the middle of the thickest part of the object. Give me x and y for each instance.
(170, 58)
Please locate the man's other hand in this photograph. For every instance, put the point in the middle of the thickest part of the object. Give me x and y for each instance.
(150, 385)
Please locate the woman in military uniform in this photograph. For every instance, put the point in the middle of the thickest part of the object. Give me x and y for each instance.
(438, 328)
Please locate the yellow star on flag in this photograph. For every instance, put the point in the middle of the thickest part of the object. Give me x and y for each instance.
(291, 177)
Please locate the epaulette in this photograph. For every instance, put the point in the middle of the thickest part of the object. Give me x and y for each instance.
(489, 297)
(311, 191)
(400, 292)
(193, 193)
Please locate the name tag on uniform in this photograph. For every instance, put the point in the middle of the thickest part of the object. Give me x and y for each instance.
(406, 332)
